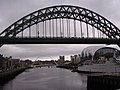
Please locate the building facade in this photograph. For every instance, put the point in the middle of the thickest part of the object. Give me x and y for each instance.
(98, 53)
(8, 63)
(61, 59)
(75, 59)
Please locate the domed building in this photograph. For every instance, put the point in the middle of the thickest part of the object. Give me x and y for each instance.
(99, 53)
(100, 59)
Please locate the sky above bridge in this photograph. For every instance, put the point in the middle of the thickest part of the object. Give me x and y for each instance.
(12, 10)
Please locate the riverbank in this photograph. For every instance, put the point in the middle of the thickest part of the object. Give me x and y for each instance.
(73, 69)
(10, 74)
(65, 67)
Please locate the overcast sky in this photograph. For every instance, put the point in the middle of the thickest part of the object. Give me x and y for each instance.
(12, 10)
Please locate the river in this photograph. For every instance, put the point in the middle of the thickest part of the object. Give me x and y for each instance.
(47, 79)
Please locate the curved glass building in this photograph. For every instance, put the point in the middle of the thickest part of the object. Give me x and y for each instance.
(99, 53)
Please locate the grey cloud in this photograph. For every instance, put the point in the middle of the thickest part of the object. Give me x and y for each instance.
(13, 10)
(108, 9)
(26, 51)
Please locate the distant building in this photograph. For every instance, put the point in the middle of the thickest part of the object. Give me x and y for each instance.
(5, 63)
(15, 63)
(75, 59)
(22, 63)
(78, 58)
(28, 62)
(98, 53)
(61, 59)
(37, 62)
(1, 61)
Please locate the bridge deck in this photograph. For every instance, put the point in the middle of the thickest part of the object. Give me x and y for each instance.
(17, 40)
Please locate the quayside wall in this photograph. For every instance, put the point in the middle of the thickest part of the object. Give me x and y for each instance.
(104, 82)
(10, 74)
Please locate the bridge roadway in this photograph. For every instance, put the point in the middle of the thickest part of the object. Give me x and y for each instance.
(56, 40)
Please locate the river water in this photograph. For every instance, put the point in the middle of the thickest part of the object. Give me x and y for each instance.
(47, 79)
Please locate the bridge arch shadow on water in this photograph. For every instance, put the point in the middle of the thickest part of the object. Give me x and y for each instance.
(61, 24)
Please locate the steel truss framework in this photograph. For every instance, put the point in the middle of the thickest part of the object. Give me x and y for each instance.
(63, 11)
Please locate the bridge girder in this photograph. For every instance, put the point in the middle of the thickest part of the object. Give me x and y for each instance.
(57, 40)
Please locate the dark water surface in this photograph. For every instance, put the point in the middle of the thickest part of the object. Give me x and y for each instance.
(47, 79)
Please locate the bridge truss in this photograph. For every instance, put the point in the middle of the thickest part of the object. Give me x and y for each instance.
(63, 22)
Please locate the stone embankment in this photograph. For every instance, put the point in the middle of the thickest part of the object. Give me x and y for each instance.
(10, 74)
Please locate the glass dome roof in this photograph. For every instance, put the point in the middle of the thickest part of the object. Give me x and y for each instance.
(92, 49)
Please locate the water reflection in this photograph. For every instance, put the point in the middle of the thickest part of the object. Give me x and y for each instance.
(47, 79)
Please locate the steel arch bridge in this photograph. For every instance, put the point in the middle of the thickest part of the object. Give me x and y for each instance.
(61, 24)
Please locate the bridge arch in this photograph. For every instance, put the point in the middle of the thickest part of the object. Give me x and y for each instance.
(63, 11)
